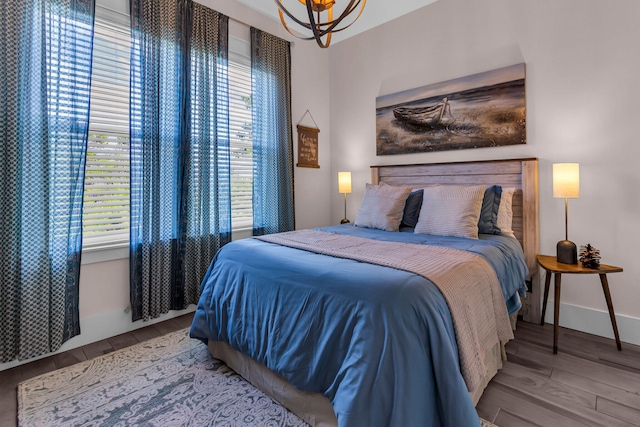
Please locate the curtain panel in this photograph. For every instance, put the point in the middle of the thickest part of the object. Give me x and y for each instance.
(45, 63)
(180, 196)
(273, 204)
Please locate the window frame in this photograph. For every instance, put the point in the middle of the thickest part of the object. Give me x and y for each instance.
(101, 249)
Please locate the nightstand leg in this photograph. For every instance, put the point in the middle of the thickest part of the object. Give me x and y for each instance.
(556, 312)
(607, 296)
(547, 282)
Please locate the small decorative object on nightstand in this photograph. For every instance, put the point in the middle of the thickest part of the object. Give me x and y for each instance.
(566, 185)
(589, 256)
(344, 186)
(552, 266)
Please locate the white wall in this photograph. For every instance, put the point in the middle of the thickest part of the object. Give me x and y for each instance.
(104, 286)
(583, 90)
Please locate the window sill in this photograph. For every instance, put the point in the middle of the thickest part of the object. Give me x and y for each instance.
(105, 252)
(111, 251)
(241, 233)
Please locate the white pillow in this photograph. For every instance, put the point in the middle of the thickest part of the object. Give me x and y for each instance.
(451, 210)
(382, 207)
(505, 212)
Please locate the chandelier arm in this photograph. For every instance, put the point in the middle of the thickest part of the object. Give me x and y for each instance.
(290, 15)
(330, 16)
(320, 29)
(353, 4)
(337, 22)
(284, 24)
(334, 23)
(314, 27)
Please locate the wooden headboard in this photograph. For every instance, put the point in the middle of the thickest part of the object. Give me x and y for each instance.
(521, 174)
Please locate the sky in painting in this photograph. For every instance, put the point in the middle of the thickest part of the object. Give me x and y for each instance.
(488, 78)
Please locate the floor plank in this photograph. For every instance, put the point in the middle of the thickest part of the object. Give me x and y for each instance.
(558, 398)
(617, 410)
(507, 419)
(39, 367)
(184, 321)
(98, 348)
(583, 367)
(11, 377)
(8, 407)
(123, 340)
(596, 387)
(518, 377)
(527, 363)
(521, 407)
(146, 333)
(489, 411)
(68, 358)
(564, 385)
(602, 352)
(167, 326)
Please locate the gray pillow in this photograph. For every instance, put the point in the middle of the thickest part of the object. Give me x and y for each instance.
(505, 212)
(451, 210)
(382, 207)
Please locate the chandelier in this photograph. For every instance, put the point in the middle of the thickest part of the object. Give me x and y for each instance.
(315, 9)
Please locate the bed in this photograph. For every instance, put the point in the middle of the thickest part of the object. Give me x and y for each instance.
(349, 335)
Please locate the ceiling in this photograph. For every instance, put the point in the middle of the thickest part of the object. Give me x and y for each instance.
(375, 13)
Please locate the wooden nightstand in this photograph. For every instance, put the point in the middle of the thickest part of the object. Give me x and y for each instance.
(551, 265)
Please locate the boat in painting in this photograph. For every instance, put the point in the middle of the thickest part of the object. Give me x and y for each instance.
(432, 116)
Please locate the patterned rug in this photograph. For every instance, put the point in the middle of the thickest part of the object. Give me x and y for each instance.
(166, 381)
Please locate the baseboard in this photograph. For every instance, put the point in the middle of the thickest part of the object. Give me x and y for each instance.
(595, 322)
(103, 326)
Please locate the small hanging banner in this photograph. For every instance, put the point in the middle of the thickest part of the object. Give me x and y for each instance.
(307, 147)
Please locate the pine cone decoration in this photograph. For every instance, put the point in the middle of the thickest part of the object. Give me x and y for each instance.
(589, 256)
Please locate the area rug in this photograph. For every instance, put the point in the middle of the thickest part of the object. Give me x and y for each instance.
(167, 381)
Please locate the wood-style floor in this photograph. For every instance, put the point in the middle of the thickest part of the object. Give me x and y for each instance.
(587, 383)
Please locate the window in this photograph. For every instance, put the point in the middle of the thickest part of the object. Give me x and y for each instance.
(106, 197)
(240, 141)
(106, 191)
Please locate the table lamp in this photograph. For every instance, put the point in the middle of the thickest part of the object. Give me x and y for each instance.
(344, 187)
(566, 184)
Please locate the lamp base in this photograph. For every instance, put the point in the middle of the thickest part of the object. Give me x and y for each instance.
(345, 221)
(566, 252)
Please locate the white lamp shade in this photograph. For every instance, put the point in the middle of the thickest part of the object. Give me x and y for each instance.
(344, 182)
(566, 180)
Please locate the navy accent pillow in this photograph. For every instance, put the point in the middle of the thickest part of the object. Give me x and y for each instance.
(487, 224)
(412, 209)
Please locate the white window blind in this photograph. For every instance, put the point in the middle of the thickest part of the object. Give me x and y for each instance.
(106, 196)
(240, 140)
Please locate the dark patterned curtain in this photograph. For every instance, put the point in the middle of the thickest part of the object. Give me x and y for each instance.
(45, 64)
(273, 208)
(180, 196)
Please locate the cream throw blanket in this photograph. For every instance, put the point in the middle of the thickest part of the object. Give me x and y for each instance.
(467, 281)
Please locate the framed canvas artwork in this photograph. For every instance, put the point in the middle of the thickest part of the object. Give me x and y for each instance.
(481, 110)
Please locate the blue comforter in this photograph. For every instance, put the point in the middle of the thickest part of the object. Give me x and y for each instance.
(378, 342)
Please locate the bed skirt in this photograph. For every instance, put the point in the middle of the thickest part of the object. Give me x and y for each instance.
(315, 408)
